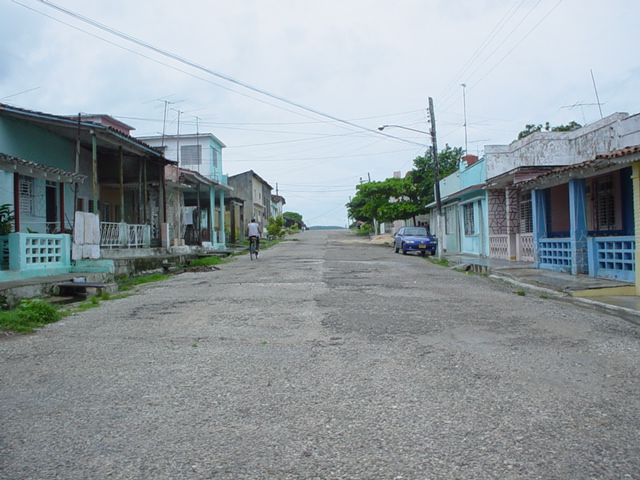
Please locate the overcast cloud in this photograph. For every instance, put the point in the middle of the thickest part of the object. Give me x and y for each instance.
(368, 62)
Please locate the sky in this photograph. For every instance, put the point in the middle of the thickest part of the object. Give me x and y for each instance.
(296, 89)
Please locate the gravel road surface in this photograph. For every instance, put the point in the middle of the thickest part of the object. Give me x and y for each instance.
(329, 358)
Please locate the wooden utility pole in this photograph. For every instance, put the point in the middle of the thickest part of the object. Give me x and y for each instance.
(434, 143)
(436, 178)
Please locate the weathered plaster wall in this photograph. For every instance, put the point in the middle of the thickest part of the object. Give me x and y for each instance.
(565, 148)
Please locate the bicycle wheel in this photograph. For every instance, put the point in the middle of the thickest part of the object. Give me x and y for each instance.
(252, 249)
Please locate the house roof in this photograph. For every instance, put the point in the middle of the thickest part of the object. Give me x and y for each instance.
(254, 174)
(182, 136)
(27, 167)
(278, 198)
(107, 137)
(602, 164)
(196, 177)
(518, 175)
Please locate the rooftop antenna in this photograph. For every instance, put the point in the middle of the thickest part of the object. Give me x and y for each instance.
(464, 106)
(596, 90)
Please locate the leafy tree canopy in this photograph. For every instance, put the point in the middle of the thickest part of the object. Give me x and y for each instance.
(403, 198)
(293, 215)
(532, 128)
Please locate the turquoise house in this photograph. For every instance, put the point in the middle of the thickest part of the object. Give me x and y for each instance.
(54, 166)
(464, 207)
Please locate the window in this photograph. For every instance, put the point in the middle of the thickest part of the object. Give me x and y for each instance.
(449, 220)
(191, 154)
(215, 158)
(605, 205)
(27, 195)
(105, 212)
(526, 213)
(469, 219)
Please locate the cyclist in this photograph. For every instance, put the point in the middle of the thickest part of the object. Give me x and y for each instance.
(254, 231)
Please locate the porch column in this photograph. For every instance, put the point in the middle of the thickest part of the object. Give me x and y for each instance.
(94, 170)
(513, 219)
(212, 213)
(539, 217)
(635, 179)
(578, 233)
(223, 234)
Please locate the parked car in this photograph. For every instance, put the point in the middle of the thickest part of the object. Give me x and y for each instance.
(414, 239)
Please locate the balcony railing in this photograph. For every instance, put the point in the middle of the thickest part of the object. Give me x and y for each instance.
(124, 235)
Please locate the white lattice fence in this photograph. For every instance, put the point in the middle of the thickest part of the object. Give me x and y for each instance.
(525, 247)
(499, 246)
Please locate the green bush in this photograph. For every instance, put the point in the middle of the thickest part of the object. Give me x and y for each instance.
(275, 227)
(29, 316)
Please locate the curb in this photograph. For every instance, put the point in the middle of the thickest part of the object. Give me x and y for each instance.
(554, 293)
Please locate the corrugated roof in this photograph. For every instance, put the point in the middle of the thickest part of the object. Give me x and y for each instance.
(27, 167)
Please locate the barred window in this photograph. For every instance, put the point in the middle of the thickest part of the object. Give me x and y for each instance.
(191, 154)
(27, 195)
(469, 219)
(526, 213)
(605, 203)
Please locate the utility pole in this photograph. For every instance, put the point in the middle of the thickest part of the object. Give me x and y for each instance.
(436, 177)
(434, 143)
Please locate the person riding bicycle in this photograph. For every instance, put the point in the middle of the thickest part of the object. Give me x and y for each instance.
(254, 231)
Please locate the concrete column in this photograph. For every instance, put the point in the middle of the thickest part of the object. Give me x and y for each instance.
(212, 214)
(578, 232)
(223, 234)
(513, 217)
(635, 179)
(539, 213)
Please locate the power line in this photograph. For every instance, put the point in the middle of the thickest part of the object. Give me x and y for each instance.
(206, 70)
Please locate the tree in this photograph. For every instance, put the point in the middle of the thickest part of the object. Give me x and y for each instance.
(403, 198)
(423, 173)
(293, 215)
(531, 128)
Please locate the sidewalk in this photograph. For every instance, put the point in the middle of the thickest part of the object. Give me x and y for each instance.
(583, 288)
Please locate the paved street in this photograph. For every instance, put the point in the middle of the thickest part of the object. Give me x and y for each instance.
(329, 358)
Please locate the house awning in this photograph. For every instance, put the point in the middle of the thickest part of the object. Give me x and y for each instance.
(10, 163)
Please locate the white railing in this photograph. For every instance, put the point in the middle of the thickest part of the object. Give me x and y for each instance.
(525, 247)
(499, 246)
(124, 235)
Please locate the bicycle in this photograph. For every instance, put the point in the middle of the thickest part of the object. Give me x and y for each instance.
(253, 245)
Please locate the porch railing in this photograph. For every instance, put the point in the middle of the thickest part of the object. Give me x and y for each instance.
(525, 247)
(124, 235)
(555, 254)
(499, 246)
(612, 257)
(35, 251)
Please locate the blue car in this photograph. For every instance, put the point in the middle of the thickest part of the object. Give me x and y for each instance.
(415, 239)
